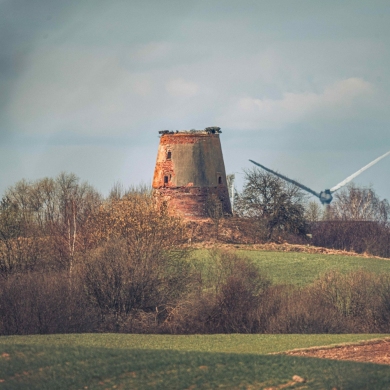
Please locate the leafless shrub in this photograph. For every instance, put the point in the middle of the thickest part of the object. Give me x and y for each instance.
(359, 236)
(357, 302)
(356, 297)
(44, 303)
(133, 292)
(230, 300)
(302, 312)
(239, 300)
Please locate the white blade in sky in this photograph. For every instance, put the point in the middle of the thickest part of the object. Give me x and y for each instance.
(349, 178)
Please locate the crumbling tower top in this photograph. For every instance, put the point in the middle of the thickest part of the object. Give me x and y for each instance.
(207, 130)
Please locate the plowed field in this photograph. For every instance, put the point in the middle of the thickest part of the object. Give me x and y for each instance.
(377, 351)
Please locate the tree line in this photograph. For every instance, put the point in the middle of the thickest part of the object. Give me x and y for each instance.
(51, 223)
(270, 209)
(72, 260)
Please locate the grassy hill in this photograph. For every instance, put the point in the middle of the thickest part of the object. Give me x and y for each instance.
(106, 361)
(299, 268)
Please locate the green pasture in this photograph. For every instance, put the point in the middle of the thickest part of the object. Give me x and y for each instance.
(296, 268)
(224, 343)
(109, 361)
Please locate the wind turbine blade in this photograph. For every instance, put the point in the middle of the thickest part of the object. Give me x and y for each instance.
(349, 178)
(287, 179)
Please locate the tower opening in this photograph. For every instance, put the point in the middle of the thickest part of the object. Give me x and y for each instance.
(169, 155)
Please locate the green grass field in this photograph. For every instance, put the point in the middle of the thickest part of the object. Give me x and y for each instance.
(299, 268)
(109, 361)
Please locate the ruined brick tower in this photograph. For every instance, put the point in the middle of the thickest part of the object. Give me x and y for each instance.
(190, 169)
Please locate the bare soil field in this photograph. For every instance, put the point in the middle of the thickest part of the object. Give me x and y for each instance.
(375, 351)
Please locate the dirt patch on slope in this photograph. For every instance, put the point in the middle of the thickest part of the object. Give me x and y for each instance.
(375, 351)
(284, 247)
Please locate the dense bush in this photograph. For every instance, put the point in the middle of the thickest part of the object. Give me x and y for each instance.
(241, 300)
(359, 236)
(231, 299)
(122, 286)
(357, 220)
(117, 293)
(33, 303)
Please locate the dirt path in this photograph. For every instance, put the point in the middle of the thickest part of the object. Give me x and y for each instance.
(375, 351)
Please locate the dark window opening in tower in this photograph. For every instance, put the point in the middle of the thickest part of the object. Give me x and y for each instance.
(169, 155)
(165, 179)
(219, 180)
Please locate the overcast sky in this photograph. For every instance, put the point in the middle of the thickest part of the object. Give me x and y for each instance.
(300, 86)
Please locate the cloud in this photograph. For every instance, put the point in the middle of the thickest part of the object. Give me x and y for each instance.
(181, 88)
(79, 89)
(91, 91)
(339, 100)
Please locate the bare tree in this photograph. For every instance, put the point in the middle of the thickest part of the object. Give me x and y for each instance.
(20, 243)
(359, 204)
(50, 214)
(272, 203)
(314, 212)
(138, 261)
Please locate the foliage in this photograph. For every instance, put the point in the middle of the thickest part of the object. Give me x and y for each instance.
(137, 264)
(116, 292)
(146, 229)
(274, 206)
(71, 261)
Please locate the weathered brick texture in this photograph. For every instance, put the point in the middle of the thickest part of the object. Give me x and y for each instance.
(189, 168)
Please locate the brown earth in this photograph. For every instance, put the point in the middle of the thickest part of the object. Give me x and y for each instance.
(374, 351)
(284, 247)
